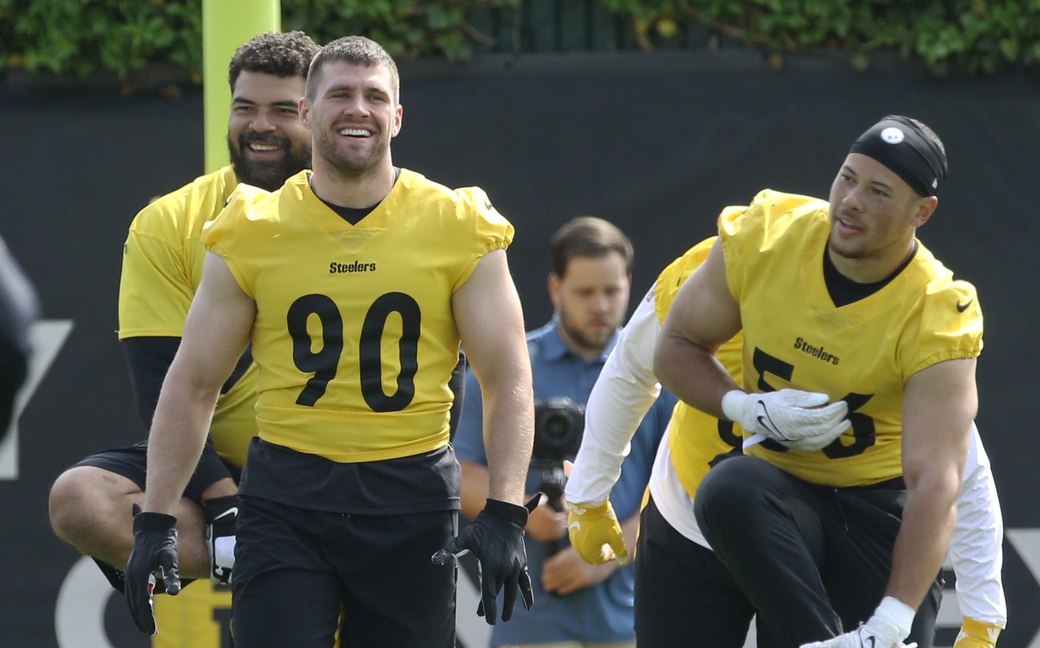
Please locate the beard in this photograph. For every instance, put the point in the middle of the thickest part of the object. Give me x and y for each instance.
(268, 175)
(590, 339)
(346, 164)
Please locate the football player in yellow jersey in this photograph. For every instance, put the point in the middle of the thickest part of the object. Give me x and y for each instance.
(682, 588)
(162, 267)
(355, 285)
(858, 379)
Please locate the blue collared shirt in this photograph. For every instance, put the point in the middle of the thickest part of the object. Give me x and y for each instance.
(603, 613)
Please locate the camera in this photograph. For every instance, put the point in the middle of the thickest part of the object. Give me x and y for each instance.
(558, 427)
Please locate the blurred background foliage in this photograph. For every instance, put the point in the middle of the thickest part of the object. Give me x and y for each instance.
(84, 38)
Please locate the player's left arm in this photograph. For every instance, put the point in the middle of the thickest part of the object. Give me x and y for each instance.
(491, 325)
(940, 403)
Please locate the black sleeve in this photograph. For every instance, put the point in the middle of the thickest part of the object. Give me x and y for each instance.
(149, 359)
(18, 310)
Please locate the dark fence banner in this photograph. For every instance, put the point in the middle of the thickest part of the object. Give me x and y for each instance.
(657, 143)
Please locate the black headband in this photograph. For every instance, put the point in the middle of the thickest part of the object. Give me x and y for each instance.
(901, 145)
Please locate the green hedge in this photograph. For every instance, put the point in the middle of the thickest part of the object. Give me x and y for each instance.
(80, 38)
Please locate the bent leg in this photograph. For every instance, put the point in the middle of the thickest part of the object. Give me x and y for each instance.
(768, 528)
(90, 509)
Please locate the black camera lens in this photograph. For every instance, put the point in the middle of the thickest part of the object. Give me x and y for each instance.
(558, 426)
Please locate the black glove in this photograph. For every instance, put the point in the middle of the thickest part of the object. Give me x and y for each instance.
(153, 558)
(221, 517)
(496, 538)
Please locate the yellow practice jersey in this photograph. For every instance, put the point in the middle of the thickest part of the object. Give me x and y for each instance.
(162, 268)
(863, 352)
(354, 334)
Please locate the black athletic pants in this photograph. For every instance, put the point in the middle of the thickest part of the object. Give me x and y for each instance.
(684, 595)
(813, 560)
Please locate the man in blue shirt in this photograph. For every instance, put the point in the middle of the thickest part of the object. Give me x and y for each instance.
(576, 605)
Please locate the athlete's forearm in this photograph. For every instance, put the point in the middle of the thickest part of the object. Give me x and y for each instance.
(923, 540)
(175, 443)
(508, 435)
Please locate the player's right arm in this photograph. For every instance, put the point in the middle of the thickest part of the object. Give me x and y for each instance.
(703, 316)
(216, 333)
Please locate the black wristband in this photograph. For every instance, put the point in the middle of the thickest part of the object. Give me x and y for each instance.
(151, 522)
(512, 513)
(216, 505)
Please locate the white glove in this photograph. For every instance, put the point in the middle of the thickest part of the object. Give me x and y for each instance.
(798, 419)
(886, 629)
(221, 518)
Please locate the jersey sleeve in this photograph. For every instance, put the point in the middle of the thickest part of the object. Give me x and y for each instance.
(155, 290)
(950, 326)
(748, 231)
(491, 229)
(221, 235)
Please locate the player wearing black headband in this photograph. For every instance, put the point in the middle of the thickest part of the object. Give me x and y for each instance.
(857, 398)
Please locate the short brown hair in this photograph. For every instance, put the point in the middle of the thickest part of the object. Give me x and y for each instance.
(274, 53)
(588, 236)
(356, 50)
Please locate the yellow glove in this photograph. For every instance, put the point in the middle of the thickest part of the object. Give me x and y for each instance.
(977, 634)
(596, 534)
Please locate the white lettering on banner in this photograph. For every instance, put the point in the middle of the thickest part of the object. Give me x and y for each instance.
(47, 338)
(1027, 543)
(79, 614)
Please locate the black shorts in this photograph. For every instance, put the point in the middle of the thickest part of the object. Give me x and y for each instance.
(301, 574)
(131, 462)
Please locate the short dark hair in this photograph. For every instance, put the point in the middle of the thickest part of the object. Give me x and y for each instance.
(278, 54)
(356, 50)
(588, 236)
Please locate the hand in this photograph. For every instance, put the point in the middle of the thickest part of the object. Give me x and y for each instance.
(886, 629)
(221, 517)
(565, 572)
(496, 538)
(977, 634)
(154, 557)
(596, 533)
(545, 523)
(798, 419)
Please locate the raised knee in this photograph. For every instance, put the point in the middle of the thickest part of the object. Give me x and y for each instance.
(66, 503)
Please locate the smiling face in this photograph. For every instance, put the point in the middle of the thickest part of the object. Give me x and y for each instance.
(266, 139)
(353, 116)
(874, 217)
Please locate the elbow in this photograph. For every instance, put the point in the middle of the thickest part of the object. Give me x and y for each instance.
(661, 364)
(941, 483)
